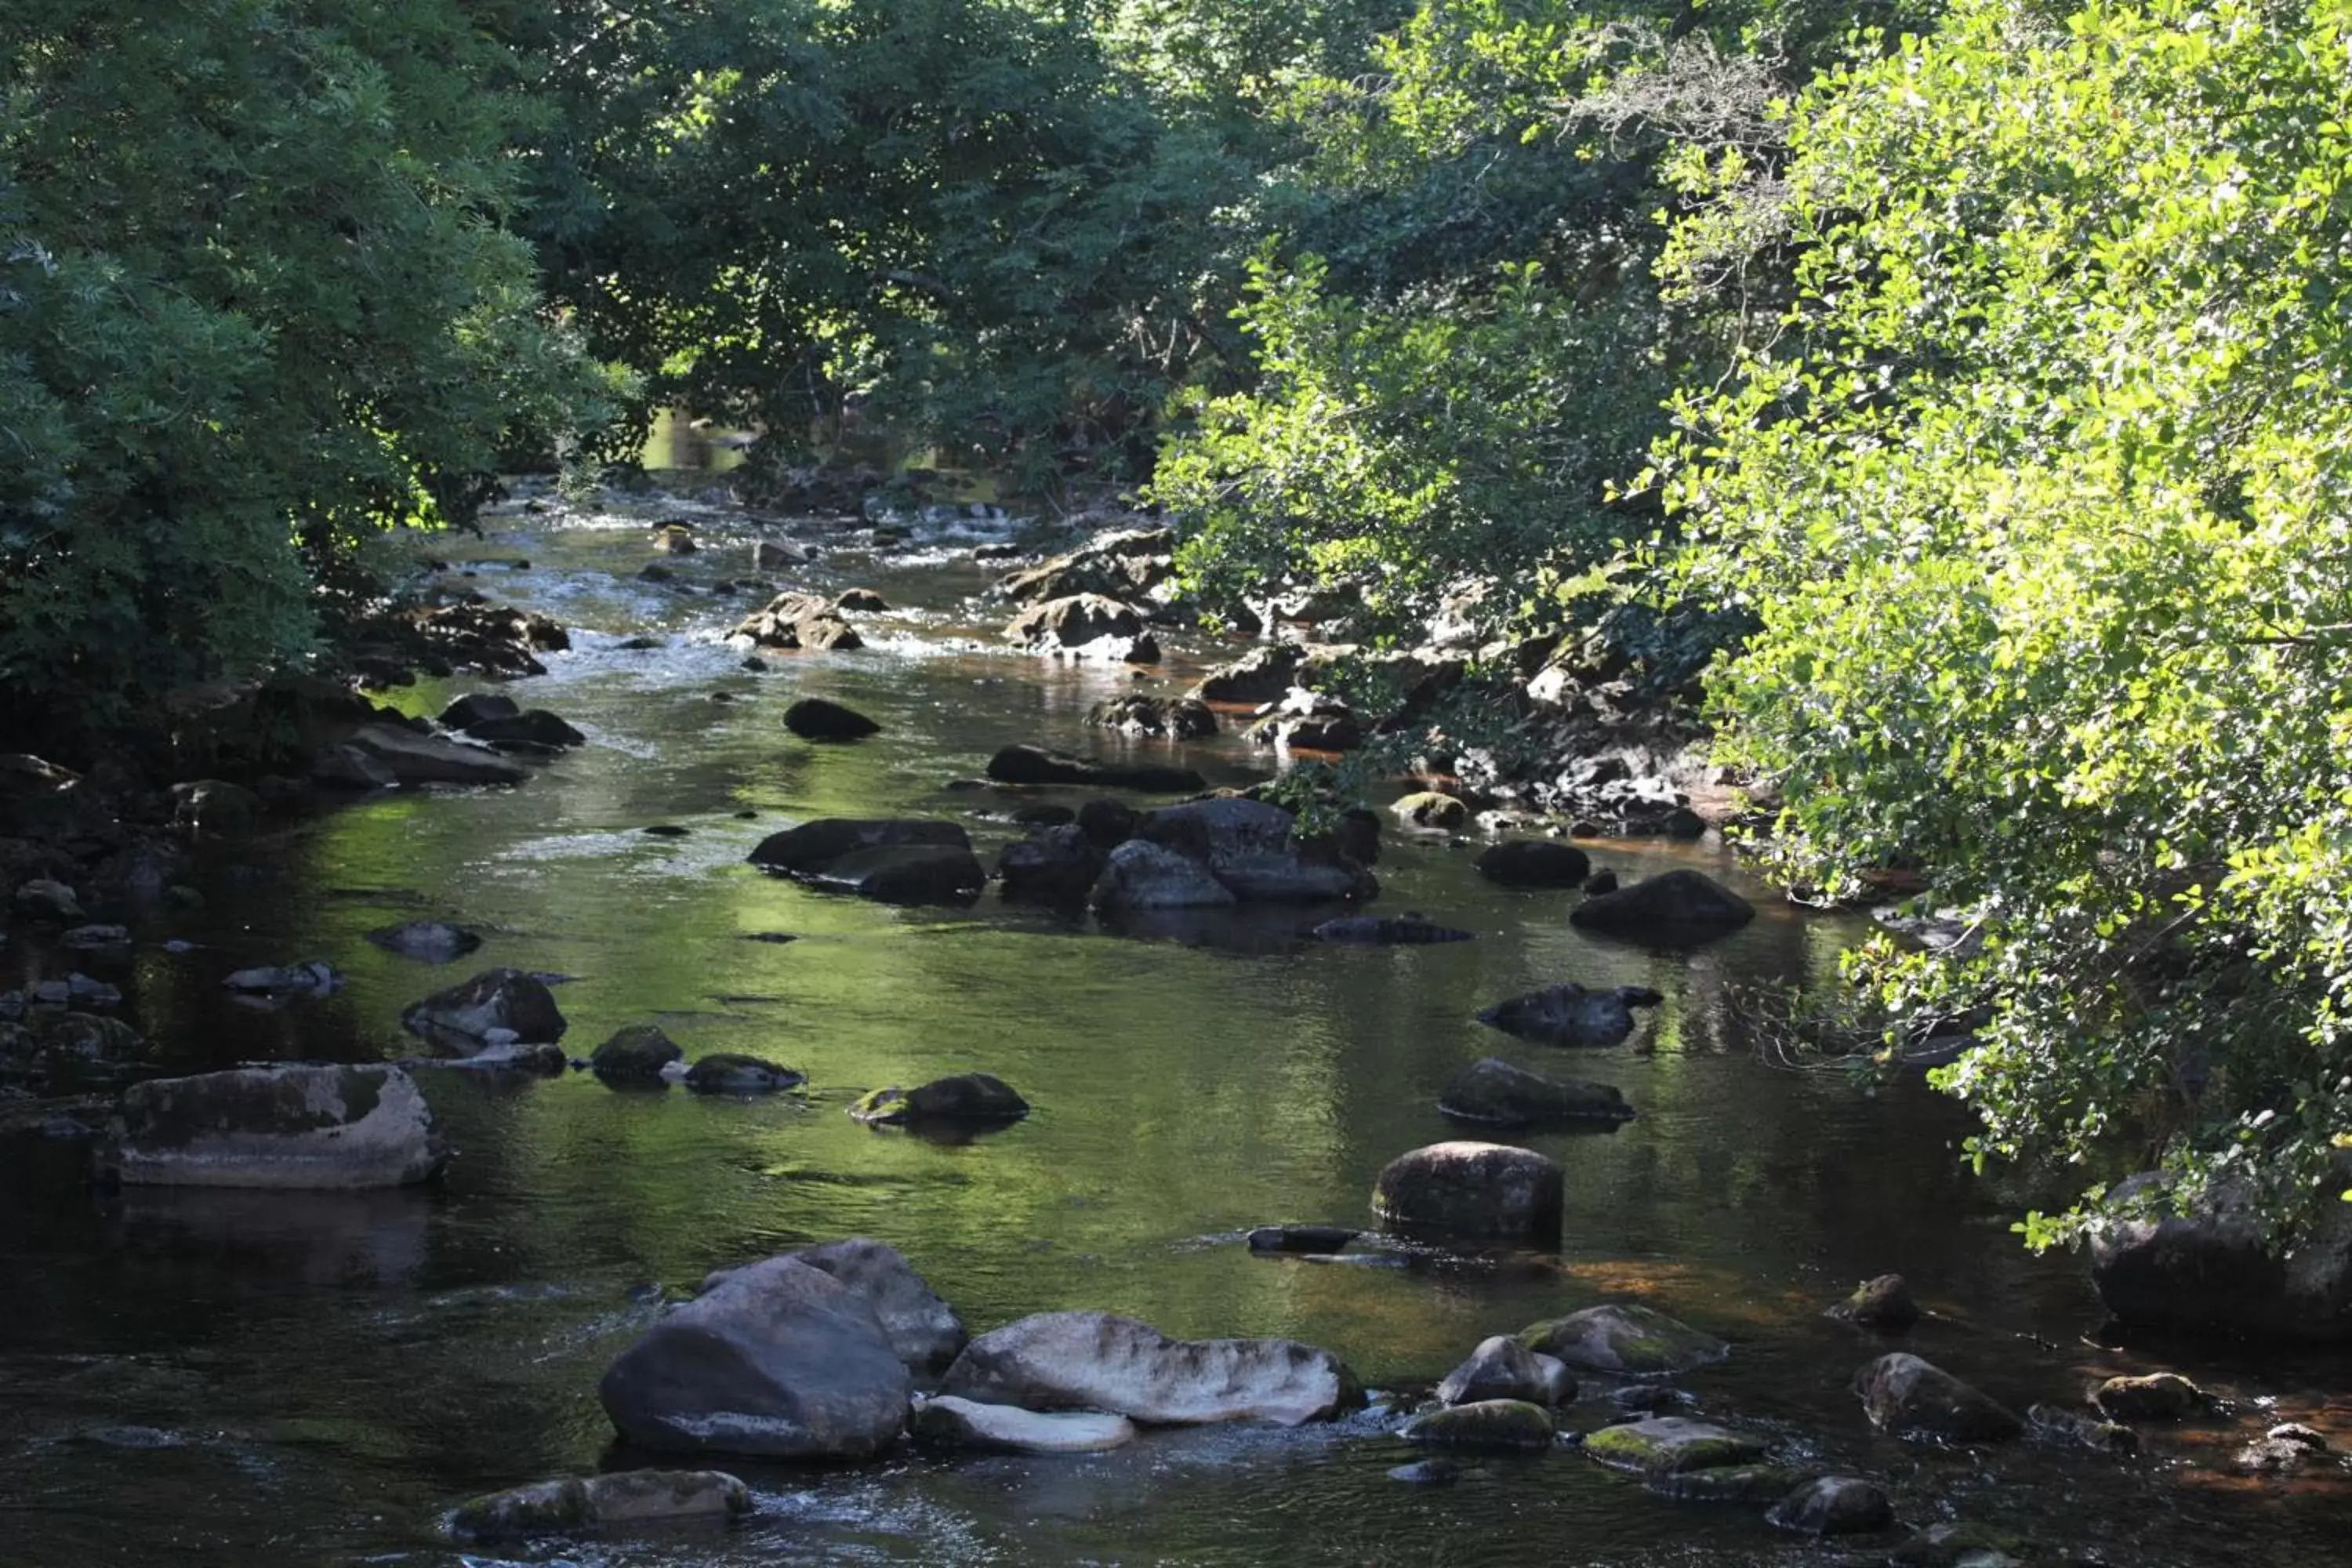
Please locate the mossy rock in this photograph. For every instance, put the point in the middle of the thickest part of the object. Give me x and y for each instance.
(1672, 1445)
(1428, 808)
(1626, 1339)
(1484, 1424)
(1962, 1546)
(629, 1496)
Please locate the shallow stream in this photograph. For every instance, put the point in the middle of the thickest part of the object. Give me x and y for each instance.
(259, 1379)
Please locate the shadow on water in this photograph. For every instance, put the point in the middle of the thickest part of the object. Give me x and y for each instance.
(321, 1374)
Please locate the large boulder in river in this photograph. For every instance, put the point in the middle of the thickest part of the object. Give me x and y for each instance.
(1534, 863)
(624, 1499)
(414, 758)
(1023, 765)
(1914, 1399)
(290, 1126)
(462, 1018)
(1175, 718)
(1626, 1340)
(1263, 674)
(1055, 866)
(1097, 1361)
(777, 1358)
(923, 1330)
(1250, 847)
(1088, 626)
(1140, 876)
(1502, 1368)
(1498, 1094)
(1677, 908)
(2211, 1271)
(1565, 1015)
(1471, 1189)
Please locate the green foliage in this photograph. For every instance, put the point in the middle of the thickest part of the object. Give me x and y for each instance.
(2039, 501)
(253, 305)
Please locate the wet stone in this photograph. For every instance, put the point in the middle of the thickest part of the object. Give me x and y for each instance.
(2158, 1396)
(1671, 1445)
(1884, 1303)
(1483, 1424)
(1309, 1240)
(1625, 1338)
(1834, 1505)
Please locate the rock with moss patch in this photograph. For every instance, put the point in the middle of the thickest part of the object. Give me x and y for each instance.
(731, 1072)
(967, 1424)
(1671, 1445)
(1471, 1189)
(624, 1499)
(1483, 1424)
(1915, 1398)
(636, 1054)
(2158, 1396)
(965, 1097)
(1428, 808)
(1884, 1303)
(1962, 1546)
(293, 1126)
(1834, 1505)
(1099, 1361)
(1626, 1339)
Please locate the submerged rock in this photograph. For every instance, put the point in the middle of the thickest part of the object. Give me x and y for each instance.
(1834, 1505)
(1671, 1445)
(1502, 1368)
(314, 978)
(1564, 1015)
(1534, 863)
(468, 1017)
(1483, 1424)
(1748, 1483)
(293, 1126)
(1624, 1338)
(1475, 1189)
(1677, 908)
(777, 1358)
(414, 758)
(1409, 929)
(601, 1502)
(1303, 1240)
(968, 1097)
(1914, 1399)
(427, 942)
(813, 845)
(2049, 1424)
(967, 1423)
(730, 1072)
(1059, 1360)
(815, 719)
(1427, 1473)
(1025, 765)
(1494, 1092)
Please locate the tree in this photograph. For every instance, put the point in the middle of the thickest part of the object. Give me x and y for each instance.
(2038, 499)
(255, 306)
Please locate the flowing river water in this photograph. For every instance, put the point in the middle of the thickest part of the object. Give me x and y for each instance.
(218, 1378)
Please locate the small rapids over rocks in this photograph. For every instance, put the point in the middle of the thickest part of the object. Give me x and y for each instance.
(1209, 1223)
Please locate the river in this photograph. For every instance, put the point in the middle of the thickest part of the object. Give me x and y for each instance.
(248, 1378)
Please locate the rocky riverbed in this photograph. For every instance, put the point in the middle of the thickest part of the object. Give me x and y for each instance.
(323, 1376)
